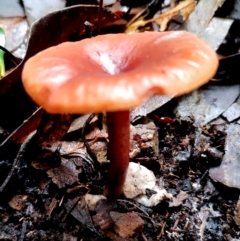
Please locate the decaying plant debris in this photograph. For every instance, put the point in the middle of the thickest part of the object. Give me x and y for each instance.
(53, 167)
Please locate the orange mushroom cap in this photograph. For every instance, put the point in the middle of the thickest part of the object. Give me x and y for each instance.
(117, 72)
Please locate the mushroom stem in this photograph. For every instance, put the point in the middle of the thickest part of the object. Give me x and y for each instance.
(118, 152)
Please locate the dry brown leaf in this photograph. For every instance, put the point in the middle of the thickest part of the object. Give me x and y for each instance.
(179, 199)
(67, 173)
(81, 213)
(96, 134)
(179, 13)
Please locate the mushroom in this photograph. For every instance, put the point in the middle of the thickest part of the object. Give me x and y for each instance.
(113, 73)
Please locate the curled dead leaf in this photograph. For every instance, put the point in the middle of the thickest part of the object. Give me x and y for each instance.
(67, 173)
(179, 14)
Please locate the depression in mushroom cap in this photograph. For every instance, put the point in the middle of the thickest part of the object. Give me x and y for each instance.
(117, 72)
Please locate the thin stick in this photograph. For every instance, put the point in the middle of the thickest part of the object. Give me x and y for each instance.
(122, 200)
(162, 229)
(204, 222)
(99, 16)
(23, 231)
(71, 208)
(144, 238)
(88, 148)
(17, 160)
(88, 29)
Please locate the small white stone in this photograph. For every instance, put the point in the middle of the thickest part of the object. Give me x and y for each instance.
(155, 199)
(196, 186)
(91, 200)
(138, 179)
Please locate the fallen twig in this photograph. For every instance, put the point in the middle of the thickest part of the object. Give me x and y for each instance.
(88, 148)
(17, 159)
(204, 222)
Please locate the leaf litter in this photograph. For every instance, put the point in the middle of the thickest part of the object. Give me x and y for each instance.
(50, 183)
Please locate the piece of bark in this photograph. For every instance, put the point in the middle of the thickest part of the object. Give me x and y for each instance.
(102, 218)
(113, 236)
(127, 224)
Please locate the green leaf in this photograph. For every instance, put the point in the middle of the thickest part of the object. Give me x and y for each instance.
(2, 43)
(2, 37)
